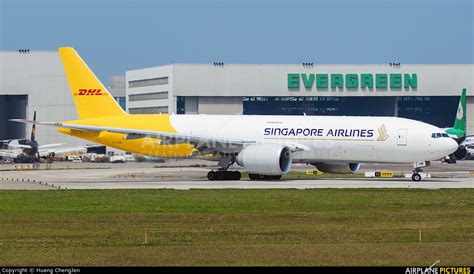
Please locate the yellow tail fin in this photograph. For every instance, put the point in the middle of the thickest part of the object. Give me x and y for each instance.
(91, 97)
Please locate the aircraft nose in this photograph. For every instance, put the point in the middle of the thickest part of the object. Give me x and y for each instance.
(451, 146)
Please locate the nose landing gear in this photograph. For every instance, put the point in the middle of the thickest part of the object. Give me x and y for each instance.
(417, 170)
(416, 176)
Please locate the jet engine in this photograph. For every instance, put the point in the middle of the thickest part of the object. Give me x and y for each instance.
(266, 159)
(460, 153)
(339, 168)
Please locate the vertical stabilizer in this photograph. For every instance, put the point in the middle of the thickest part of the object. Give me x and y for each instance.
(91, 97)
(460, 122)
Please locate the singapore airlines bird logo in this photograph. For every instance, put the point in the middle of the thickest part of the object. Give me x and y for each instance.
(382, 133)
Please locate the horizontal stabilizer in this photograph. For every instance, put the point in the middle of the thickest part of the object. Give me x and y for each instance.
(54, 124)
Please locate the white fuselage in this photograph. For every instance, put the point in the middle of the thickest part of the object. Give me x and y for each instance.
(328, 138)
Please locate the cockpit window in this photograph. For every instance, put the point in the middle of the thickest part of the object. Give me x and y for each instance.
(439, 135)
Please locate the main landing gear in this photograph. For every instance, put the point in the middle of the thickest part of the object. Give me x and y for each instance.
(417, 170)
(222, 174)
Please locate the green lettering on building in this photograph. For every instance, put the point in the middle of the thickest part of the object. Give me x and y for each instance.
(380, 80)
(352, 81)
(337, 81)
(293, 81)
(321, 81)
(307, 81)
(410, 81)
(395, 81)
(366, 80)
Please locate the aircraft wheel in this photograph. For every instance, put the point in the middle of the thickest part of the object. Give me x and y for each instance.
(271, 177)
(233, 175)
(237, 176)
(221, 175)
(416, 177)
(253, 177)
(211, 176)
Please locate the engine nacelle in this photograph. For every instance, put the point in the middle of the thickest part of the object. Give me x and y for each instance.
(266, 159)
(460, 153)
(338, 168)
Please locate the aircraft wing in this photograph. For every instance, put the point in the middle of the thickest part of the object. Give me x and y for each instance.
(49, 146)
(199, 141)
(59, 151)
(165, 137)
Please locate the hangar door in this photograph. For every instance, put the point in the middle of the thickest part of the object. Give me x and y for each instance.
(12, 106)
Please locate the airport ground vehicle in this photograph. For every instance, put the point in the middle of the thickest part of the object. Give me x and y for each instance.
(117, 159)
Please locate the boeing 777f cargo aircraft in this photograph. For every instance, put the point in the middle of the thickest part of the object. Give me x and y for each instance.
(264, 145)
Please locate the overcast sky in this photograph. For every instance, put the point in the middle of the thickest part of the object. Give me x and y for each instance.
(113, 36)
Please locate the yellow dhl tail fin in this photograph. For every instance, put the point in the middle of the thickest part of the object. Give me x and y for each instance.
(91, 97)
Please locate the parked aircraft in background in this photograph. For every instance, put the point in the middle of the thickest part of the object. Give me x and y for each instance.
(462, 151)
(266, 146)
(29, 151)
(458, 131)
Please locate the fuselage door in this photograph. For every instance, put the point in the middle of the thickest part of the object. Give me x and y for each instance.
(402, 137)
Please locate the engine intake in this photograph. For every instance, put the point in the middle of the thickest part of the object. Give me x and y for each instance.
(266, 159)
(338, 168)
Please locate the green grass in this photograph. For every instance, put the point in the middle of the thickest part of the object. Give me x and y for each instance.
(237, 227)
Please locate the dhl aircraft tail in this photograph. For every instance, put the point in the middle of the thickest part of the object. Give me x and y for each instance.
(91, 97)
